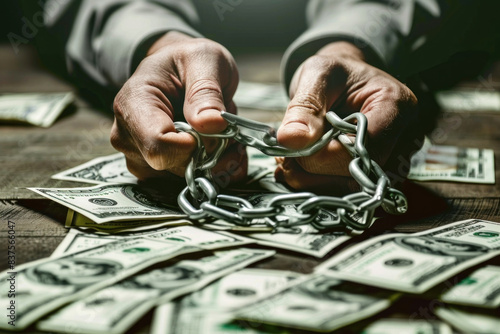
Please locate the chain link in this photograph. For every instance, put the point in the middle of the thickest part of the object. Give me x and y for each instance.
(201, 201)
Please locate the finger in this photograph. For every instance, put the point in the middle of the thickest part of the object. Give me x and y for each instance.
(291, 173)
(333, 159)
(143, 112)
(211, 81)
(316, 85)
(392, 118)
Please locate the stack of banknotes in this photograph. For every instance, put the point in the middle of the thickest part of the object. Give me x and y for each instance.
(129, 251)
(40, 109)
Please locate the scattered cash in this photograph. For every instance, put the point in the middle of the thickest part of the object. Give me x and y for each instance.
(108, 169)
(450, 163)
(416, 262)
(469, 100)
(470, 320)
(208, 311)
(45, 285)
(37, 109)
(112, 202)
(407, 326)
(480, 289)
(76, 240)
(116, 308)
(255, 95)
(318, 303)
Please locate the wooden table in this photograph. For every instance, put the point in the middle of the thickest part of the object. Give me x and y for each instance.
(30, 155)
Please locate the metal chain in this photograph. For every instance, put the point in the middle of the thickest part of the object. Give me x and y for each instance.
(201, 201)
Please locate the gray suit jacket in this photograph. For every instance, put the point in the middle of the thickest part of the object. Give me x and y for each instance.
(104, 40)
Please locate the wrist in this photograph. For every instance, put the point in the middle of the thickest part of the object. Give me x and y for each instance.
(342, 49)
(166, 39)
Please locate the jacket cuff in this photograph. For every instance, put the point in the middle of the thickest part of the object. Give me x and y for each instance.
(128, 34)
(368, 26)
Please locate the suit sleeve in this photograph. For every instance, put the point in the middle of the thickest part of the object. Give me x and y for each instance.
(401, 37)
(103, 41)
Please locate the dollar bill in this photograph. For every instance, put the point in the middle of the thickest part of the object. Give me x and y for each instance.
(318, 303)
(407, 326)
(76, 220)
(209, 311)
(108, 169)
(450, 163)
(113, 169)
(469, 100)
(256, 95)
(480, 289)
(304, 239)
(116, 308)
(416, 262)
(76, 241)
(112, 202)
(308, 241)
(469, 320)
(45, 285)
(37, 109)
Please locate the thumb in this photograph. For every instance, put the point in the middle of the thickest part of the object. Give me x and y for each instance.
(202, 106)
(312, 92)
(209, 88)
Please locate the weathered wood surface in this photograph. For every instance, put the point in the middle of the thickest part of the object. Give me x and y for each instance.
(30, 155)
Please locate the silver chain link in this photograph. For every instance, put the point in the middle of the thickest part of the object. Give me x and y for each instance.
(201, 201)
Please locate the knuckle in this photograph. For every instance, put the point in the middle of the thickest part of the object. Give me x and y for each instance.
(118, 105)
(115, 139)
(308, 101)
(326, 66)
(203, 88)
(203, 46)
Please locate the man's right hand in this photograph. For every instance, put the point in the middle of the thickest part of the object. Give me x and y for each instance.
(179, 74)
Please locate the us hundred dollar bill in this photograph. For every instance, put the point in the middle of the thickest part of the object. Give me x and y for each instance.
(470, 320)
(76, 220)
(480, 289)
(257, 95)
(209, 311)
(407, 326)
(115, 308)
(108, 169)
(308, 241)
(37, 109)
(416, 262)
(469, 100)
(304, 239)
(76, 240)
(318, 303)
(113, 169)
(450, 163)
(112, 202)
(45, 285)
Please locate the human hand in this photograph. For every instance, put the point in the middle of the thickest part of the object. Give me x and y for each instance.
(180, 74)
(339, 75)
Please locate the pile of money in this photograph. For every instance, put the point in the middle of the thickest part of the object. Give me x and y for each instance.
(194, 279)
(129, 250)
(36, 109)
(450, 163)
(472, 100)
